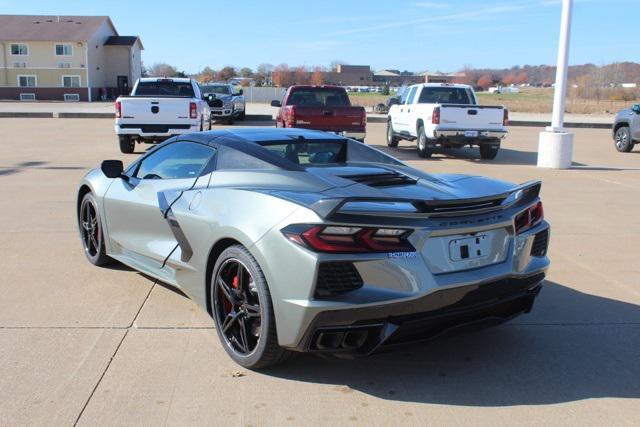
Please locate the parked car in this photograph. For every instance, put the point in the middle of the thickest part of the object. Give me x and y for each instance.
(626, 128)
(233, 102)
(302, 241)
(324, 108)
(445, 115)
(159, 108)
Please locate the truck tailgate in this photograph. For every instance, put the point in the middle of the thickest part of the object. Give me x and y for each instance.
(472, 117)
(151, 110)
(334, 119)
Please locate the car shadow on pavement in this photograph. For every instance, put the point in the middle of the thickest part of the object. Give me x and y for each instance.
(31, 165)
(579, 346)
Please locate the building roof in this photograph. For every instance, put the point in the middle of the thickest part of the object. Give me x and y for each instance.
(387, 73)
(50, 28)
(123, 41)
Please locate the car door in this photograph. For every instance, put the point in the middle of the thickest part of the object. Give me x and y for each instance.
(634, 124)
(402, 120)
(139, 233)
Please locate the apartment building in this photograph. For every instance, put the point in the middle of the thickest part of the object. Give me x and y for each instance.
(66, 58)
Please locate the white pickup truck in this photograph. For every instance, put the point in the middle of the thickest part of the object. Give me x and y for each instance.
(159, 108)
(445, 115)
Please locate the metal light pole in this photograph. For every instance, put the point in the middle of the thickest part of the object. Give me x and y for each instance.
(555, 146)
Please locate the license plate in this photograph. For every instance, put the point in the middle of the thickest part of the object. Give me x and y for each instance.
(470, 133)
(461, 249)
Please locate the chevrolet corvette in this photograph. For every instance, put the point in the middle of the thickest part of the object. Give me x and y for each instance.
(297, 240)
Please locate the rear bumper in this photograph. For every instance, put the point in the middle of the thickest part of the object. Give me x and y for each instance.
(459, 134)
(153, 131)
(442, 312)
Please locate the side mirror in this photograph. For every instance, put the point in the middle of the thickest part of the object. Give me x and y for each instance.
(240, 92)
(394, 101)
(112, 168)
(636, 108)
(276, 103)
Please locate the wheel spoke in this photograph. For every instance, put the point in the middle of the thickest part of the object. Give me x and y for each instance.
(226, 290)
(94, 242)
(253, 311)
(229, 321)
(243, 334)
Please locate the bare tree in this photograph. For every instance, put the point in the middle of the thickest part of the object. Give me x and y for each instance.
(246, 72)
(162, 69)
(485, 81)
(317, 77)
(206, 75)
(226, 73)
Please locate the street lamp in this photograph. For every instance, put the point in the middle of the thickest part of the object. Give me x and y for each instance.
(555, 146)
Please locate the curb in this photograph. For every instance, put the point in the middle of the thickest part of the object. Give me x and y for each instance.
(268, 118)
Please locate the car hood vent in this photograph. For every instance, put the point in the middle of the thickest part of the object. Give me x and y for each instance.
(386, 179)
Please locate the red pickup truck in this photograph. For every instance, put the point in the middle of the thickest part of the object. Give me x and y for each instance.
(324, 108)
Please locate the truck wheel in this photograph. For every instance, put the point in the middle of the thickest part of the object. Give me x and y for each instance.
(230, 120)
(126, 144)
(392, 140)
(242, 115)
(489, 152)
(624, 143)
(424, 149)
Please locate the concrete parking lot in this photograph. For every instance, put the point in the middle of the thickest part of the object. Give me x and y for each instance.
(107, 346)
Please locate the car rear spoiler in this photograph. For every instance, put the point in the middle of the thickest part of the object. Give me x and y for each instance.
(329, 207)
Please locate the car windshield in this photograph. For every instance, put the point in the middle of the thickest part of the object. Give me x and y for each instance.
(326, 152)
(219, 89)
(445, 95)
(318, 97)
(164, 87)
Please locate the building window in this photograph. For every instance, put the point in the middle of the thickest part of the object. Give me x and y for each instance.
(19, 65)
(27, 81)
(19, 49)
(64, 64)
(64, 50)
(70, 81)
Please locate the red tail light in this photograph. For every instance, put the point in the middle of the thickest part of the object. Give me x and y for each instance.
(346, 239)
(193, 110)
(364, 118)
(529, 218)
(435, 116)
(505, 118)
(290, 116)
(118, 109)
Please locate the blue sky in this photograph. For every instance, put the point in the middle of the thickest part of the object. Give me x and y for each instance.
(414, 35)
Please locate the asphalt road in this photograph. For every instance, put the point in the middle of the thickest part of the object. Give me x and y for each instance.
(108, 346)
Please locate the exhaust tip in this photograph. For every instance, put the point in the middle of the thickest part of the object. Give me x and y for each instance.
(354, 339)
(329, 340)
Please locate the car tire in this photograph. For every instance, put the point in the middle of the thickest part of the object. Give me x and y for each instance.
(488, 152)
(622, 139)
(424, 149)
(91, 234)
(392, 140)
(127, 144)
(229, 121)
(242, 115)
(252, 295)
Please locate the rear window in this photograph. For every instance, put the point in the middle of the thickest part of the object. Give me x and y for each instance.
(326, 152)
(445, 95)
(165, 88)
(319, 97)
(308, 153)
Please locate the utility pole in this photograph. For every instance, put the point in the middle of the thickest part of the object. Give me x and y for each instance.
(555, 146)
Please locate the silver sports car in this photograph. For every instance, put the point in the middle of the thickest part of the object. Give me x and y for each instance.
(301, 241)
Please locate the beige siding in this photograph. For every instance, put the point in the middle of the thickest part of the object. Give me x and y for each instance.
(118, 64)
(42, 55)
(45, 77)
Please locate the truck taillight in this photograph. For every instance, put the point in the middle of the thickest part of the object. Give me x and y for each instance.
(193, 110)
(364, 118)
(290, 117)
(505, 118)
(118, 110)
(435, 116)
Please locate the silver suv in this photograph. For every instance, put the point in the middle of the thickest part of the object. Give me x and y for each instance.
(626, 128)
